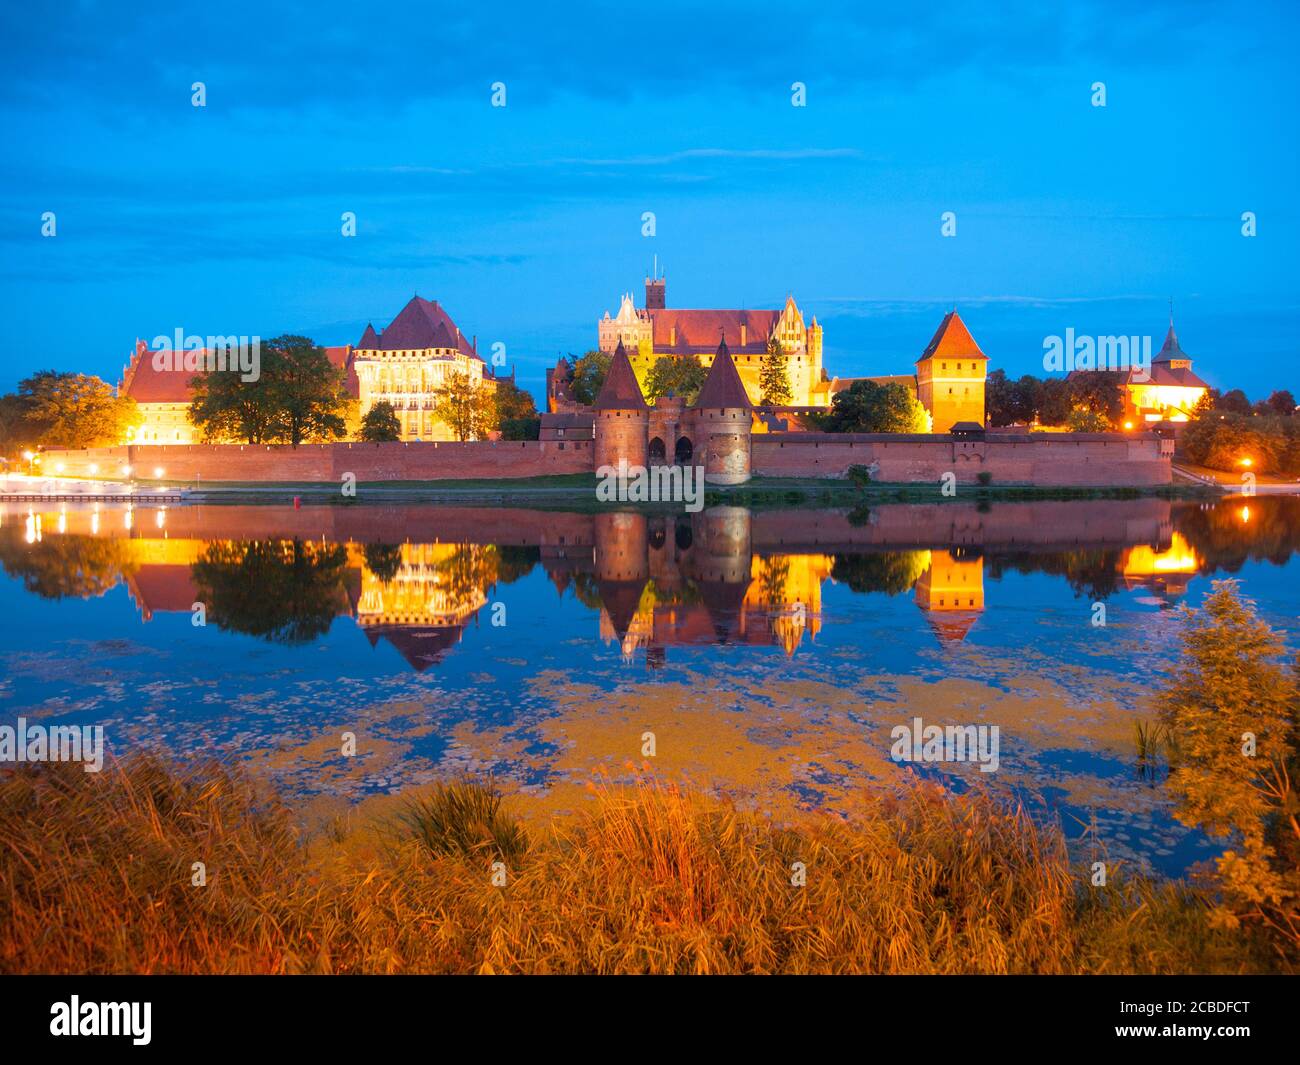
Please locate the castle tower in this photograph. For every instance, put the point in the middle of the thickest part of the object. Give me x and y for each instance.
(723, 420)
(656, 297)
(950, 376)
(621, 415)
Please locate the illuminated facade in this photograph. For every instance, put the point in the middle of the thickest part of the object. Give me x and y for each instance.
(1169, 392)
(408, 362)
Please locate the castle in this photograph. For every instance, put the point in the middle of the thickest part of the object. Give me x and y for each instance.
(948, 379)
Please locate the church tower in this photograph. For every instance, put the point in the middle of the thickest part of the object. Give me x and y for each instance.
(723, 417)
(622, 416)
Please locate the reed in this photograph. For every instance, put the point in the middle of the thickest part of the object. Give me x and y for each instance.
(97, 875)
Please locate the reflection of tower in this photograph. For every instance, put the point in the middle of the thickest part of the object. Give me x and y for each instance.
(787, 590)
(951, 592)
(621, 570)
(721, 567)
(621, 416)
(723, 421)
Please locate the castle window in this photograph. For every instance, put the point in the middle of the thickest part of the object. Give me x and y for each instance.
(945, 365)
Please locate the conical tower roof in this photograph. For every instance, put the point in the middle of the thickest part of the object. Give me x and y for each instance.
(723, 387)
(620, 390)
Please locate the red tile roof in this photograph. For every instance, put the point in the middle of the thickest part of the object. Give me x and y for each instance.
(420, 324)
(620, 390)
(952, 340)
(723, 387)
(698, 331)
(145, 384)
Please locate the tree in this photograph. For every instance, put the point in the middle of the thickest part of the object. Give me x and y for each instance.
(515, 412)
(17, 434)
(70, 410)
(676, 375)
(868, 407)
(381, 424)
(1222, 441)
(999, 398)
(299, 396)
(464, 408)
(1230, 710)
(1100, 392)
(588, 375)
(1282, 403)
(774, 375)
(1081, 420)
(1054, 401)
(1233, 402)
(307, 391)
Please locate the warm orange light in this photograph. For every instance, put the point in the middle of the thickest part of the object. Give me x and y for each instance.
(1128, 425)
(1245, 515)
(1247, 462)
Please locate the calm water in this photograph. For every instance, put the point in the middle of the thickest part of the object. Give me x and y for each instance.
(769, 653)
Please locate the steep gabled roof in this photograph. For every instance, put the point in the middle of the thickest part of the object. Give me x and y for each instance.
(952, 340)
(369, 339)
(620, 390)
(421, 324)
(723, 387)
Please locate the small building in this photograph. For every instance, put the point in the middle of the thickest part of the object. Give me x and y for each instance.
(1169, 391)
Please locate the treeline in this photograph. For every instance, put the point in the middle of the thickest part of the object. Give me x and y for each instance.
(63, 410)
(1084, 402)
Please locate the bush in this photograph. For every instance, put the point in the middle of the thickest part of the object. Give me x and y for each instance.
(859, 476)
(984, 477)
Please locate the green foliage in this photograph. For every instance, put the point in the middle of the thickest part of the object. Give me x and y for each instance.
(1081, 420)
(521, 428)
(868, 407)
(774, 375)
(676, 376)
(984, 478)
(1233, 402)
(1220, 441)
(1231, 712)
(1052, 400)
(512, 403)
(589, 372)
(381, 424)
(858, 476)
(466, 409)
(64, 410)
(299, 396)
(383, 560)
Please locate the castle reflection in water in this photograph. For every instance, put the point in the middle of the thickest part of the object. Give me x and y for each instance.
(417, 576)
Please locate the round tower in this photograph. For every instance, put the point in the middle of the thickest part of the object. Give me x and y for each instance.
(723, 418)
(622, 416)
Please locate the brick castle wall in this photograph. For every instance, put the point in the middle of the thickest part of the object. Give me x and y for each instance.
(329, 462)
(1048, 459)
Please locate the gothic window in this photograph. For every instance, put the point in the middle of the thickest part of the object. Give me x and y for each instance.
(658, 452)
(683, 451)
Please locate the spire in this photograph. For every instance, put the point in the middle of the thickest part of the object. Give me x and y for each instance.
(620, 390)
(723, 388)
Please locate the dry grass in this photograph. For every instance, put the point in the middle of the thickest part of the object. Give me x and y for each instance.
(95, 876)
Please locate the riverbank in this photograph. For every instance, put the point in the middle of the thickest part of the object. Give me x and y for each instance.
(144, 870)
(577, 492)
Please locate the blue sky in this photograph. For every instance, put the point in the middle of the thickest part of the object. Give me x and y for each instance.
(525, 221)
